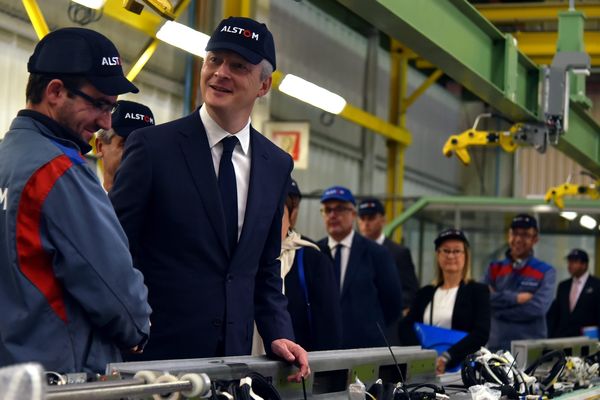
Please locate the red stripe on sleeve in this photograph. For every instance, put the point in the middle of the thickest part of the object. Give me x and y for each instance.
(531, 272)
(34, 262)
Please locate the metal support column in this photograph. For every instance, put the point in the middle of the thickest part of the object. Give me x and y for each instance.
(395, 150)
(367, 168)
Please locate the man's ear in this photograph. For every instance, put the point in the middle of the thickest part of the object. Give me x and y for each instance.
(265, 86)
(99, 145)
(55, 91)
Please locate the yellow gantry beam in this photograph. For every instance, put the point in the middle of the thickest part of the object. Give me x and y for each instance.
(541, 46)
(523, 12)
(364, 119)
(37, 18)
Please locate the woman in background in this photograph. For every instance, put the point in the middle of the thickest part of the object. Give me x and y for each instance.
(453, 301)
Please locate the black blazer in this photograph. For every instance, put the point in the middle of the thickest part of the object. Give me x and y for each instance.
(372, 293)
(471, 314)
(204, 300)
(324, 332)
(564, 323)
(406, 268)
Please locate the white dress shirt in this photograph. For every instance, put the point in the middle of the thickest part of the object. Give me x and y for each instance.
(240, 158)
(380, 239)
(346, 246)
(580, 284)
(443, 307)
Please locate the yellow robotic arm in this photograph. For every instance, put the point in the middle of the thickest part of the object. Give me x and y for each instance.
(508, 140)
(557, 193)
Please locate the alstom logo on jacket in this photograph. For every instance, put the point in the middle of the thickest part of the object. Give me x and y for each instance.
(240, 31)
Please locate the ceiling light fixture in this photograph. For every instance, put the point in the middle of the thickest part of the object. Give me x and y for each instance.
(184, 37)
(312, 94)
(570, 215)
(587, 222)
(93, 4)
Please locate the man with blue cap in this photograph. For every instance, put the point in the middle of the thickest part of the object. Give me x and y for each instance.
(201, 200)
(70, 297)
(369, 283)
(521, 288)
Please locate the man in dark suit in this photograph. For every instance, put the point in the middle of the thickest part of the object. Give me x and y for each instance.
(201, 201)
(370, 288)
(577, 303)
(371, 220)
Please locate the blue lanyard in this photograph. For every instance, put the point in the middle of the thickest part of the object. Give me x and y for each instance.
(302, 278)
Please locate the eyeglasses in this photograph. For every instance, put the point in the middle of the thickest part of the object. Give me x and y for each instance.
(336, 210)
(100, 104)
(451, 252)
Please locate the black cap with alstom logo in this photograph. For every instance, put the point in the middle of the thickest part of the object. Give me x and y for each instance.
(81, 52)
(129, 116)
(525, 221)
(450, 234)
(247, 37)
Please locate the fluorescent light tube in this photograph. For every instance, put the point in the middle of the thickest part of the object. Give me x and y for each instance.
(184, 37)
(95, 4)
(570, 215)
(587, 222)
(312, 94)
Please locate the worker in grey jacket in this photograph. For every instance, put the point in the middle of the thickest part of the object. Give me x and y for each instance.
(70, 297)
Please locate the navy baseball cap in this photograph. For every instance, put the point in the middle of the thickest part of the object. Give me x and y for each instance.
(129, 116)
(245, 36)
(448, 234)
(81, 52)
(524, 221)
(294, 189)
(578, 254)
(370, 206)
(338, 193)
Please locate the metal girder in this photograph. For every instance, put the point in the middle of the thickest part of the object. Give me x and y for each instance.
(473, 52)
(147, 21)
(522, 12)
(466, 46)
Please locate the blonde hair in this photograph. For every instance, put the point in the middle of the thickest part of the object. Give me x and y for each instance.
(466, 272)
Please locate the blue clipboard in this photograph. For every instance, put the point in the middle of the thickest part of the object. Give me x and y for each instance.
(437, 338)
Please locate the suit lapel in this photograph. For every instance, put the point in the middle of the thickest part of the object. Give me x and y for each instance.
(356, 251)
(257, 186)
(197, 155)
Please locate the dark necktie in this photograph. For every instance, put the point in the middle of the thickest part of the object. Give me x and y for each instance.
(337, 264)
(228, 188)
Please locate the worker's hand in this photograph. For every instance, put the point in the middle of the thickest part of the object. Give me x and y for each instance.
(440, 365)
(524, 297)
(292, 353)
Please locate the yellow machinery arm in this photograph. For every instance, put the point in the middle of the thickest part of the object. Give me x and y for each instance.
(557, 193)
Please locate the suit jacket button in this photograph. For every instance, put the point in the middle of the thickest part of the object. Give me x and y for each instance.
(217, 322)
(229, 278)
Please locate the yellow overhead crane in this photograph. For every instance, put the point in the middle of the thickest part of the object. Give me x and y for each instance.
(557, 193)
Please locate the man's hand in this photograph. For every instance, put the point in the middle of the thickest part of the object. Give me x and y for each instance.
(524, 297)
(292, 353)
(440, 365)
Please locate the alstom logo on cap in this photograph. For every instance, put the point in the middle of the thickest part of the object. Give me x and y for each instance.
(240, 31)
(111, 61)
(147, 119)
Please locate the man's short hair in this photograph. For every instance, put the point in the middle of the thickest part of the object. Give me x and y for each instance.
(37, 83)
